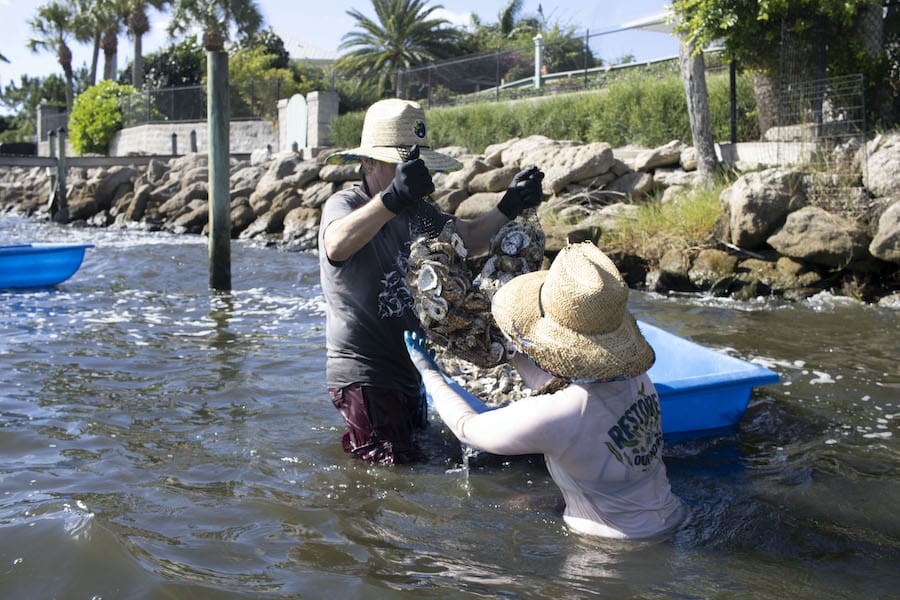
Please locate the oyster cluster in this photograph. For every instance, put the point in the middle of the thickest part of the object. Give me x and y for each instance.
(517, 248)
(453, 293)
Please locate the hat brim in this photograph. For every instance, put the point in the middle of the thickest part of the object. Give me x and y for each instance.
(435, 161)
(517, 310)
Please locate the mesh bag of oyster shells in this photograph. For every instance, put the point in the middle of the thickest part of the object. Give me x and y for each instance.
(453, 291)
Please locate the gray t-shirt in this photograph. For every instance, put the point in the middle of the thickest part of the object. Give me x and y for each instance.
(368, 304)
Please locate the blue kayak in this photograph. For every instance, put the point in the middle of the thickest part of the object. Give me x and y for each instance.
(701, 390)
(25, 266)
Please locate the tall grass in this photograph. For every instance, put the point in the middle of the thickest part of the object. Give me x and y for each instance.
(645, 109)
(685, 223)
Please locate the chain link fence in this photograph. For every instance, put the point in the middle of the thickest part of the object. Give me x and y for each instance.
(247, 100)
(564, 64)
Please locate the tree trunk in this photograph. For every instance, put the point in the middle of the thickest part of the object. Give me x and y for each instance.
(693, 76)
(869, 30)
(137, 67)
(139, 25)
(766, 89)
(64, 56)
(110, 45)
(95, 58)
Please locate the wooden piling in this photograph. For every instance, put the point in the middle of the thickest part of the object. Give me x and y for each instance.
(219, 154)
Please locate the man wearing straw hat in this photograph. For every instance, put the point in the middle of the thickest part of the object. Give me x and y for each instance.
(364, 238)
(595, 416)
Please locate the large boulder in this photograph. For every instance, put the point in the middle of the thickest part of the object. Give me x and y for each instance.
(668, 155)
(178, 204)
(532, 150)
(495, 180)
(883, 165)
(886, 243)
(301, 228)
(757, 204)
(114, 184)
(569, 164)
(471, 167)
(477, 204)
(814, 235)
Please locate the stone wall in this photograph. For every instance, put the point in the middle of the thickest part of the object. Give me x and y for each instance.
(156, 138)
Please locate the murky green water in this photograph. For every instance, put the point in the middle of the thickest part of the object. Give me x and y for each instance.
(161, 441)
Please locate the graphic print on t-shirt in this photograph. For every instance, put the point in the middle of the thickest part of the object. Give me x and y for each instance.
(395, 296)
(637, 435)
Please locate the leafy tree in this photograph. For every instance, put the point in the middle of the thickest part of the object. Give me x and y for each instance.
(512, 30)
(216, 17)
(752, 32)
(404, 35)
(256, 83)
(23, 99)
(52, 26)
(273, 45)
(180, 64)
(97, 115)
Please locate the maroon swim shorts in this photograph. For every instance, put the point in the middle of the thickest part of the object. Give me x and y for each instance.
(380, 423)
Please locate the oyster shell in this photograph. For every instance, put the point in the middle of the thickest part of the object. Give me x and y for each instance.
(452, 291)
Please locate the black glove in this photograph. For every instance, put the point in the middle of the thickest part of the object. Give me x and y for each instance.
(524, 192)
(411, 183)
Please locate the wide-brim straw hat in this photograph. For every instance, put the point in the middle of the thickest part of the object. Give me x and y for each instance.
(391, 128)
(572, 319)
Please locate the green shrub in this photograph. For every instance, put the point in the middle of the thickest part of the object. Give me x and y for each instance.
(646, 108)
(346, 129)
(96, 116)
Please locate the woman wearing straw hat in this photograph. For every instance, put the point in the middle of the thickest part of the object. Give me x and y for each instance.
(364, 238)
(595, 416)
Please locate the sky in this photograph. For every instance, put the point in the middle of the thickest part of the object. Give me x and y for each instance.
(321, 24)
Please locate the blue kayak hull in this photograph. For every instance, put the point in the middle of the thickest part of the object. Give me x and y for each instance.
(25, 266)
(699, 388)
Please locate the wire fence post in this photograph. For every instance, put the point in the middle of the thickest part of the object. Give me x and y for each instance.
(587, 53)
(51, 172)
(497, 75)
(61, 214)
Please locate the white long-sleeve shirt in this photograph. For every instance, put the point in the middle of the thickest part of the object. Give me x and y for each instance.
(602, 443)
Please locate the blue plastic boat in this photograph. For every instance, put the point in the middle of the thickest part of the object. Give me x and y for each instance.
(25, 266)
(701, 391)
(699, 388)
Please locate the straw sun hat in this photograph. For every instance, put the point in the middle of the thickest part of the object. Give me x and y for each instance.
(391, 128)
(572, 319)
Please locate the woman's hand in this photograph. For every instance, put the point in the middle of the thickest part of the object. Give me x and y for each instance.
(422, 357)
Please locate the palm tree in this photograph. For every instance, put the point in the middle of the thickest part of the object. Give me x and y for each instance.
(216, 17)
(88, 28)
(53, 25)
(138, 25)
(111, 15)
(404, 36)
